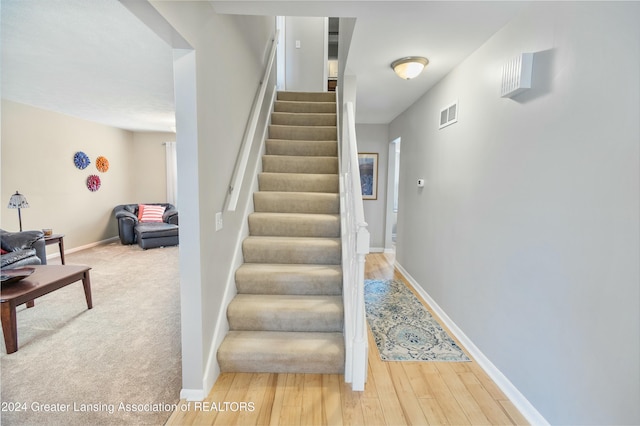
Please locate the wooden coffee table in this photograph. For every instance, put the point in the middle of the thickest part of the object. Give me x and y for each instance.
(44, 280)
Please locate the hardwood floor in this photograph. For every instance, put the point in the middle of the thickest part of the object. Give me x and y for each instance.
(396, 393)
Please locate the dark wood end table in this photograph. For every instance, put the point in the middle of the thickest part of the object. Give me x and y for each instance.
(53, 239)
(44, 280)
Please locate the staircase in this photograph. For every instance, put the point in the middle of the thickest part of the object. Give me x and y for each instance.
(288, 314)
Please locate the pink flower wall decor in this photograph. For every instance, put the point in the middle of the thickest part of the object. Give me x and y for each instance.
(93, 183)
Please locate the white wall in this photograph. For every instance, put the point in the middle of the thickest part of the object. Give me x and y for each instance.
(374, 138)
(527, 232)
(305, 66)
(223, 104)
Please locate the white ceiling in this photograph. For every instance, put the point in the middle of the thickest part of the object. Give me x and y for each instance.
(91, 59)
(95, 60)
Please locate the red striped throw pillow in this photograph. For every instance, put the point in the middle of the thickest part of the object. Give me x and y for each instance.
(151, 213)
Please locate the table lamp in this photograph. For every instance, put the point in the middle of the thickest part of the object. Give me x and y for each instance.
(18, 201)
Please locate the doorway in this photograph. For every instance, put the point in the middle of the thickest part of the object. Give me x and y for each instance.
(393, 185)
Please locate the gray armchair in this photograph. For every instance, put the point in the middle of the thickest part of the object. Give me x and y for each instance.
(147, 235)
(23, 248)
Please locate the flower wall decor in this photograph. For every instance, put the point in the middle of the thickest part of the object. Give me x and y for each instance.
(81, 160)
(93, 183)
(102, 164)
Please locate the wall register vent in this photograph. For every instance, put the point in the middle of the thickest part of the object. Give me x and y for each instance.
(516, 75)
(449, 115)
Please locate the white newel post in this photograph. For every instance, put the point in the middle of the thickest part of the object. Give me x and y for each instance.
(355, 245)
(360, 346)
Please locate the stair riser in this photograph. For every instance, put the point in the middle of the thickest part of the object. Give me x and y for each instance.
(289, 279)
(297, 147)
(307, 96)
(293, 182)
(320, 133)
(286, 313)
(278, 321)
(269, 352)
(268, 250)
(283, 202)
(305, 107)
(299, 164)
(303, 119)
(280, 364)
(302, 287)
(328, 227)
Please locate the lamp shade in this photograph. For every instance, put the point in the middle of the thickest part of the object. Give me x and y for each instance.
(409, 67)
(18, 201)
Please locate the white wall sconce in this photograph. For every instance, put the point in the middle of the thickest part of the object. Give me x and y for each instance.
(409, 67)
(516, 75)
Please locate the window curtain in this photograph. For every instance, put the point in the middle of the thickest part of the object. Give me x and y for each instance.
(172, 173)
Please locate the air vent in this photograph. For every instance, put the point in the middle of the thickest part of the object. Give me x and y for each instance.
(449, 115)
(516, 75)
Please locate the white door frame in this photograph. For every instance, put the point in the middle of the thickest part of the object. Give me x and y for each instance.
(391, 192)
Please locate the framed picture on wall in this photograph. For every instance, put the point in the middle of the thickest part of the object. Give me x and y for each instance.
(368, 163)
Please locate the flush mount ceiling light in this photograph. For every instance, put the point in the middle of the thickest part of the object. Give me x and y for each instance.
(409, 67)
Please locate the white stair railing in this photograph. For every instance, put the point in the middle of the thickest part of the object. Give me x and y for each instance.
(355, 246)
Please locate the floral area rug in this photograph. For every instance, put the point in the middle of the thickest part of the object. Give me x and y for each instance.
(403, 328)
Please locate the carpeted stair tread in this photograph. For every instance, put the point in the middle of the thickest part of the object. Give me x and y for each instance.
(299, 182)
(308, 133)
(282, 352)
(305, 107)
(294, 225)
(303, 119)
(327, 148)
(264, 278)
(306, 250)
(296, 202)
(307, 96)
(286, 312)
(299, 164)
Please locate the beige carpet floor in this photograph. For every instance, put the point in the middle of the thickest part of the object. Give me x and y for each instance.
(116, 364)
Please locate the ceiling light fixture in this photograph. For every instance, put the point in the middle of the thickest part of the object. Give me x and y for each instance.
(409, 67)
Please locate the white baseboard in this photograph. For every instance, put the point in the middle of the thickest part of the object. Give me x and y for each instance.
(192, 394)
(521, 403)
(84, 247)
(376, 249)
